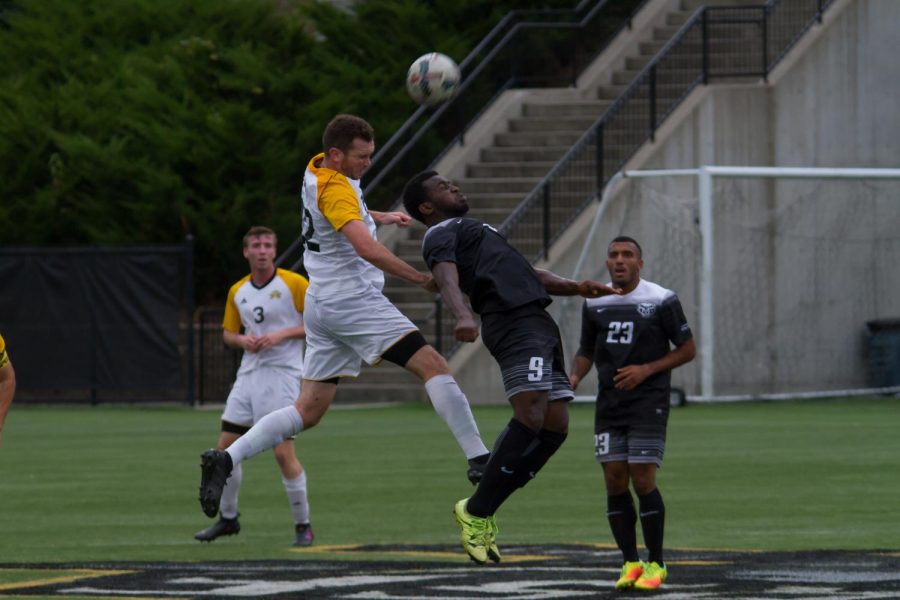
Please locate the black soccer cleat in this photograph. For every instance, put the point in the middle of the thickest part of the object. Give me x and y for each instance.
(221, 527)
(476, 468)
(215, 468)
(303, 534)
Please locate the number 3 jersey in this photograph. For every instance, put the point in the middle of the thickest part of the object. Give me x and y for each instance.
(632, 329)
(260, 310)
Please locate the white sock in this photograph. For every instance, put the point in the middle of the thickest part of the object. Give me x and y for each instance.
(453, 407)
(228, 505)
(268, 432)
(296, 493)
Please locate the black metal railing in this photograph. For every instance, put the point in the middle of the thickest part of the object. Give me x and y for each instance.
(533, 48)
(717, 43)
(527, 48)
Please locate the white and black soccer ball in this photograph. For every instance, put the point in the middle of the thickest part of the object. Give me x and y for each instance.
(433, 78)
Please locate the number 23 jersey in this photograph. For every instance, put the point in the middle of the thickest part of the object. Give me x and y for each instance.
(632, 329)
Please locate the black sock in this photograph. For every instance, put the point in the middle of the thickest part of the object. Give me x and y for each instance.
(653, 518)
(533, 461)
(622, 519)
(499, 480)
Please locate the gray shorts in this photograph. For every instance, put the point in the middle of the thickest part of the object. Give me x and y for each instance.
(526, 344)
(632, 444)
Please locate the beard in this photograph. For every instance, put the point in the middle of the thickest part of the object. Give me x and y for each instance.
(457, 211)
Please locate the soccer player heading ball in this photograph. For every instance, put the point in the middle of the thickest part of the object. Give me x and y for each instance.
(469, 257)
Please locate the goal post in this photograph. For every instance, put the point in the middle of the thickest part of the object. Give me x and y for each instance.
(779, 269)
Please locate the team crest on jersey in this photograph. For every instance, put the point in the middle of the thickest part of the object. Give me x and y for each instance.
(275, 294)
(646, 309)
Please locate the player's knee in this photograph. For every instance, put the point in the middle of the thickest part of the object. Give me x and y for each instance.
(310, 414)
(644, 482)
(427, 363)
(615, 474)
(557, 418)
(530, 409)
(286, 458)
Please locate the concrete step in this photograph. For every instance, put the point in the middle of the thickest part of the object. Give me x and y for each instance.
(510, 169)
(508, 200)
(484, 185)
(692, 5)
(585, 108)
(503, 154)
(399, 292)
(417, 311)
(678, 18)
(552, 123)
(537, 139)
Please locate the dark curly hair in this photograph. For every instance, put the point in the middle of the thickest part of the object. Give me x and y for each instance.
(414, 194)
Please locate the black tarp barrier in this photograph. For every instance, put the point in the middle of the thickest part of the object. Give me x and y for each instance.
(99, 324)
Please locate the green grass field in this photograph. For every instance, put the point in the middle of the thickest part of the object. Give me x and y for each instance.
(81, 484)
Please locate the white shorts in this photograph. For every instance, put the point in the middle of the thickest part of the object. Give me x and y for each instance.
(260, 391)
(342, 331)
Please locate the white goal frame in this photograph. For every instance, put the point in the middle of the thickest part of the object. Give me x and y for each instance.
(704, 176)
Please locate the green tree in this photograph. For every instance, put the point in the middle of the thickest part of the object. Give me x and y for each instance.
(142, 121)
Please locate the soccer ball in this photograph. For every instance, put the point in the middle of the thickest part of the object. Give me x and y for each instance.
(432, 78)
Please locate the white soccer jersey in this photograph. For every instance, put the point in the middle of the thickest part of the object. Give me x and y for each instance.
(276, 305)
(329, 201)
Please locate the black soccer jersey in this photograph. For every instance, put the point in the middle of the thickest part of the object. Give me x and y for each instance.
(494, 275)
(632, 329)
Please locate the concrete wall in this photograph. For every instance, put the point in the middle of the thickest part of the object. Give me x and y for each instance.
(831, 102)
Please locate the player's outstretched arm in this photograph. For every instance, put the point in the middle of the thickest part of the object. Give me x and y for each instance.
(400, 219)
(370, 249)
(447, 278)
(560, 286)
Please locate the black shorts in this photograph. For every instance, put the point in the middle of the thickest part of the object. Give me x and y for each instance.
(526, 344)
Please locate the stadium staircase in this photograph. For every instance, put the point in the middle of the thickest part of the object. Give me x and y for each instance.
(500, 177)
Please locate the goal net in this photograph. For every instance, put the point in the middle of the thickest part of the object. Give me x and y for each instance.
(783, 273)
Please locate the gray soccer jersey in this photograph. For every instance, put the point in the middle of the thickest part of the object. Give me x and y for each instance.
(634, 328)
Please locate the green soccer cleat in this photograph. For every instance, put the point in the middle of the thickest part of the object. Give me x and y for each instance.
(493, 552)
(631, 571)
(653, 576)
(475, 531)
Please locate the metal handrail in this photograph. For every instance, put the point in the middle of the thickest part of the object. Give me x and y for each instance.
(592, 7)
(468, 80)
(541, 192)
(698, 18)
